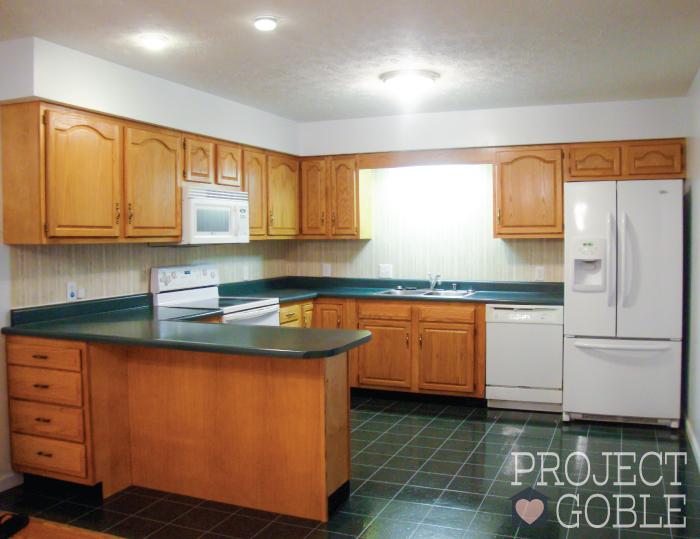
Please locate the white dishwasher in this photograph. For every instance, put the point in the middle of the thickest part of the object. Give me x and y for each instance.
(524, 356)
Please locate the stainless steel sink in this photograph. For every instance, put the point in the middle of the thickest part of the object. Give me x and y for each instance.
(426, 292)
(395, 292)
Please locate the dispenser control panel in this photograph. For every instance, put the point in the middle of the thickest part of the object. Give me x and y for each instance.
(588, 265)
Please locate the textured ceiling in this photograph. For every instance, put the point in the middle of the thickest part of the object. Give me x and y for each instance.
(324, 59)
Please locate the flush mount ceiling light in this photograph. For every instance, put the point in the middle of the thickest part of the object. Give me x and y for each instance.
(153, 42)
(409, 83)
(266, 23)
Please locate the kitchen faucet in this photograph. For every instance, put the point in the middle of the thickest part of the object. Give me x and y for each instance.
(434, 281)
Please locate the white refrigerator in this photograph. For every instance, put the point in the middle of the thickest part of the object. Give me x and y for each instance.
(623, 300)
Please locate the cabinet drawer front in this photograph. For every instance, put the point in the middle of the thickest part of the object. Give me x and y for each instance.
(47, 420)
(289, 314)
(384, 310)
(446, 313)
(291, 324)
(51, 455)
(43, 356)
(655, 159)
(45, 385)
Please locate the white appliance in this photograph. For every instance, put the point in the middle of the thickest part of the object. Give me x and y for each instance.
(197, 287)
(214, 214)
(524, 352)
(623, 299)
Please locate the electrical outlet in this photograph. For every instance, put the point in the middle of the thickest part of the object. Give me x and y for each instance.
(72, 291)
(326, 270)
(246, 273)
(539, 273)
(385, 271)
(81, 293)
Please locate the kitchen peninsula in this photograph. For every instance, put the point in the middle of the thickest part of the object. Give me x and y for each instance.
(251, 416)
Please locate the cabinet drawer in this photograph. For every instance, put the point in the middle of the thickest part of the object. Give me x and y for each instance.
(384, 310)
(291, 324)
(47, 420)
(51, 455)
(289, 314)
(43, 356)
(446, 313)
(45, 385)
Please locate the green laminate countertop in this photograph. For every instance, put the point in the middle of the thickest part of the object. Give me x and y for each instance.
(166, 327)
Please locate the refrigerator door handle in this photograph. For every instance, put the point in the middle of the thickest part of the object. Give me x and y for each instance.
(623, 258)
(611, 262)
(625, 347)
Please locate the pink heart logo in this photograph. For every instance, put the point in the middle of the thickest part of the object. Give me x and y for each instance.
(529, 511)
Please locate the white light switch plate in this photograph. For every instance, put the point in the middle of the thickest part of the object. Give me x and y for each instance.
(386, 271)
(326, 270)
(539, 273)
(246, 273)
(72, 291)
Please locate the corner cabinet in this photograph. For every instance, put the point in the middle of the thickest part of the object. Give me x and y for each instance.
(75, 177)
(528, 194)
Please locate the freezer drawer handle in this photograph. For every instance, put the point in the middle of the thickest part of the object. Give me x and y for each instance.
(624, 347)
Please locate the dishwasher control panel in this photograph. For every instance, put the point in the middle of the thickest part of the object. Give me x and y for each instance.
(525, 314)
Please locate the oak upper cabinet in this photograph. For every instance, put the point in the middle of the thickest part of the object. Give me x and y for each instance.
(655, 158)
(587, 161)
(200, 160)
(528, 194)
(313, 198)
(344, 197)
(83, 175)
(152, 205)
(229, 166)
(255, 181)
(282, 196)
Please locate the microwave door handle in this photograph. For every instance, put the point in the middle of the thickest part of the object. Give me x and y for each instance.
(237, 220)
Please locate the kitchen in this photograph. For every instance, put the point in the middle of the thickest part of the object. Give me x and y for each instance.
(40, 272)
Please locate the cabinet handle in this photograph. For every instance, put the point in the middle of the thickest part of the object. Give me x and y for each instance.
(272, 217)
(131, 213)
(37, 356)
(289, 314)
(42, 420)
(499, 216)
(333, 220)
(323, 218)
(119, 213)
(420, 340)
(42, 454)
(305, 325)
(41, 386)
(407, 339)
(338, 321)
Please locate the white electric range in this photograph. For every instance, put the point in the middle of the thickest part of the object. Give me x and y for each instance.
(197, 287)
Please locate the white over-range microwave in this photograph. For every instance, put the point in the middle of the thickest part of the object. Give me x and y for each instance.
(214, 214)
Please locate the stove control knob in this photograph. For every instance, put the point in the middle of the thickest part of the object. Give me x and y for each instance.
(167, 279)
(204, 271)
(213, 274)
(174, 275)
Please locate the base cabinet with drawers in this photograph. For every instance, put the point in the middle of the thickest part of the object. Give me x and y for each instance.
(297, 315)
(422, 347)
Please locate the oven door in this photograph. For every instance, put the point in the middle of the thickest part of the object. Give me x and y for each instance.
(262, 316)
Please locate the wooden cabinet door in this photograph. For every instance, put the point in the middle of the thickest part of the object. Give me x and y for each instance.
(446, 356)
(229, 166)
(152, 167)
(386, 359)
(200, 160)
(307, 315)
(255, 182)
(313, 197)
(528, 197)
(649, 159)
(343, 197)
(595, 161)
(83, 176)
(329, 316)
(283, 196)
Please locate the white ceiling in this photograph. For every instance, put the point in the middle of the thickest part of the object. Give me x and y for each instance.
(324, 59)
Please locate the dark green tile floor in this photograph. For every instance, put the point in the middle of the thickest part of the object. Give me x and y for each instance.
(421, 471)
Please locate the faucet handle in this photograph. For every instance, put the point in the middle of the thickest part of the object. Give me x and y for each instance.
(437, 278)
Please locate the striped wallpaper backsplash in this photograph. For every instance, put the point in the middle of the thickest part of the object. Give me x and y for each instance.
(425, 219)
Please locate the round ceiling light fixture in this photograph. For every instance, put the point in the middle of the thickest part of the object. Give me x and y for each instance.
(409, 83)
(153, 42)
(265, 23)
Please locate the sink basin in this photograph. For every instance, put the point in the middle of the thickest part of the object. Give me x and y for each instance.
(395, 292)
(449, 293)
(426, 292)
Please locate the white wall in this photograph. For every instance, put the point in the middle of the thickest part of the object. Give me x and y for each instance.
(8, 478)
(693, 183)
(48, 71)
(621, 120)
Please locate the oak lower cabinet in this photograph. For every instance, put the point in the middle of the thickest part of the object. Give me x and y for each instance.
(529, 194)
(421, 347)
(298, 314)
(328, 315)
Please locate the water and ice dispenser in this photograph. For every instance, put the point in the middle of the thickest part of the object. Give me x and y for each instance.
(589, 263)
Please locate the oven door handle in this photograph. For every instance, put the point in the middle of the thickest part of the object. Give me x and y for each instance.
(254, 313)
